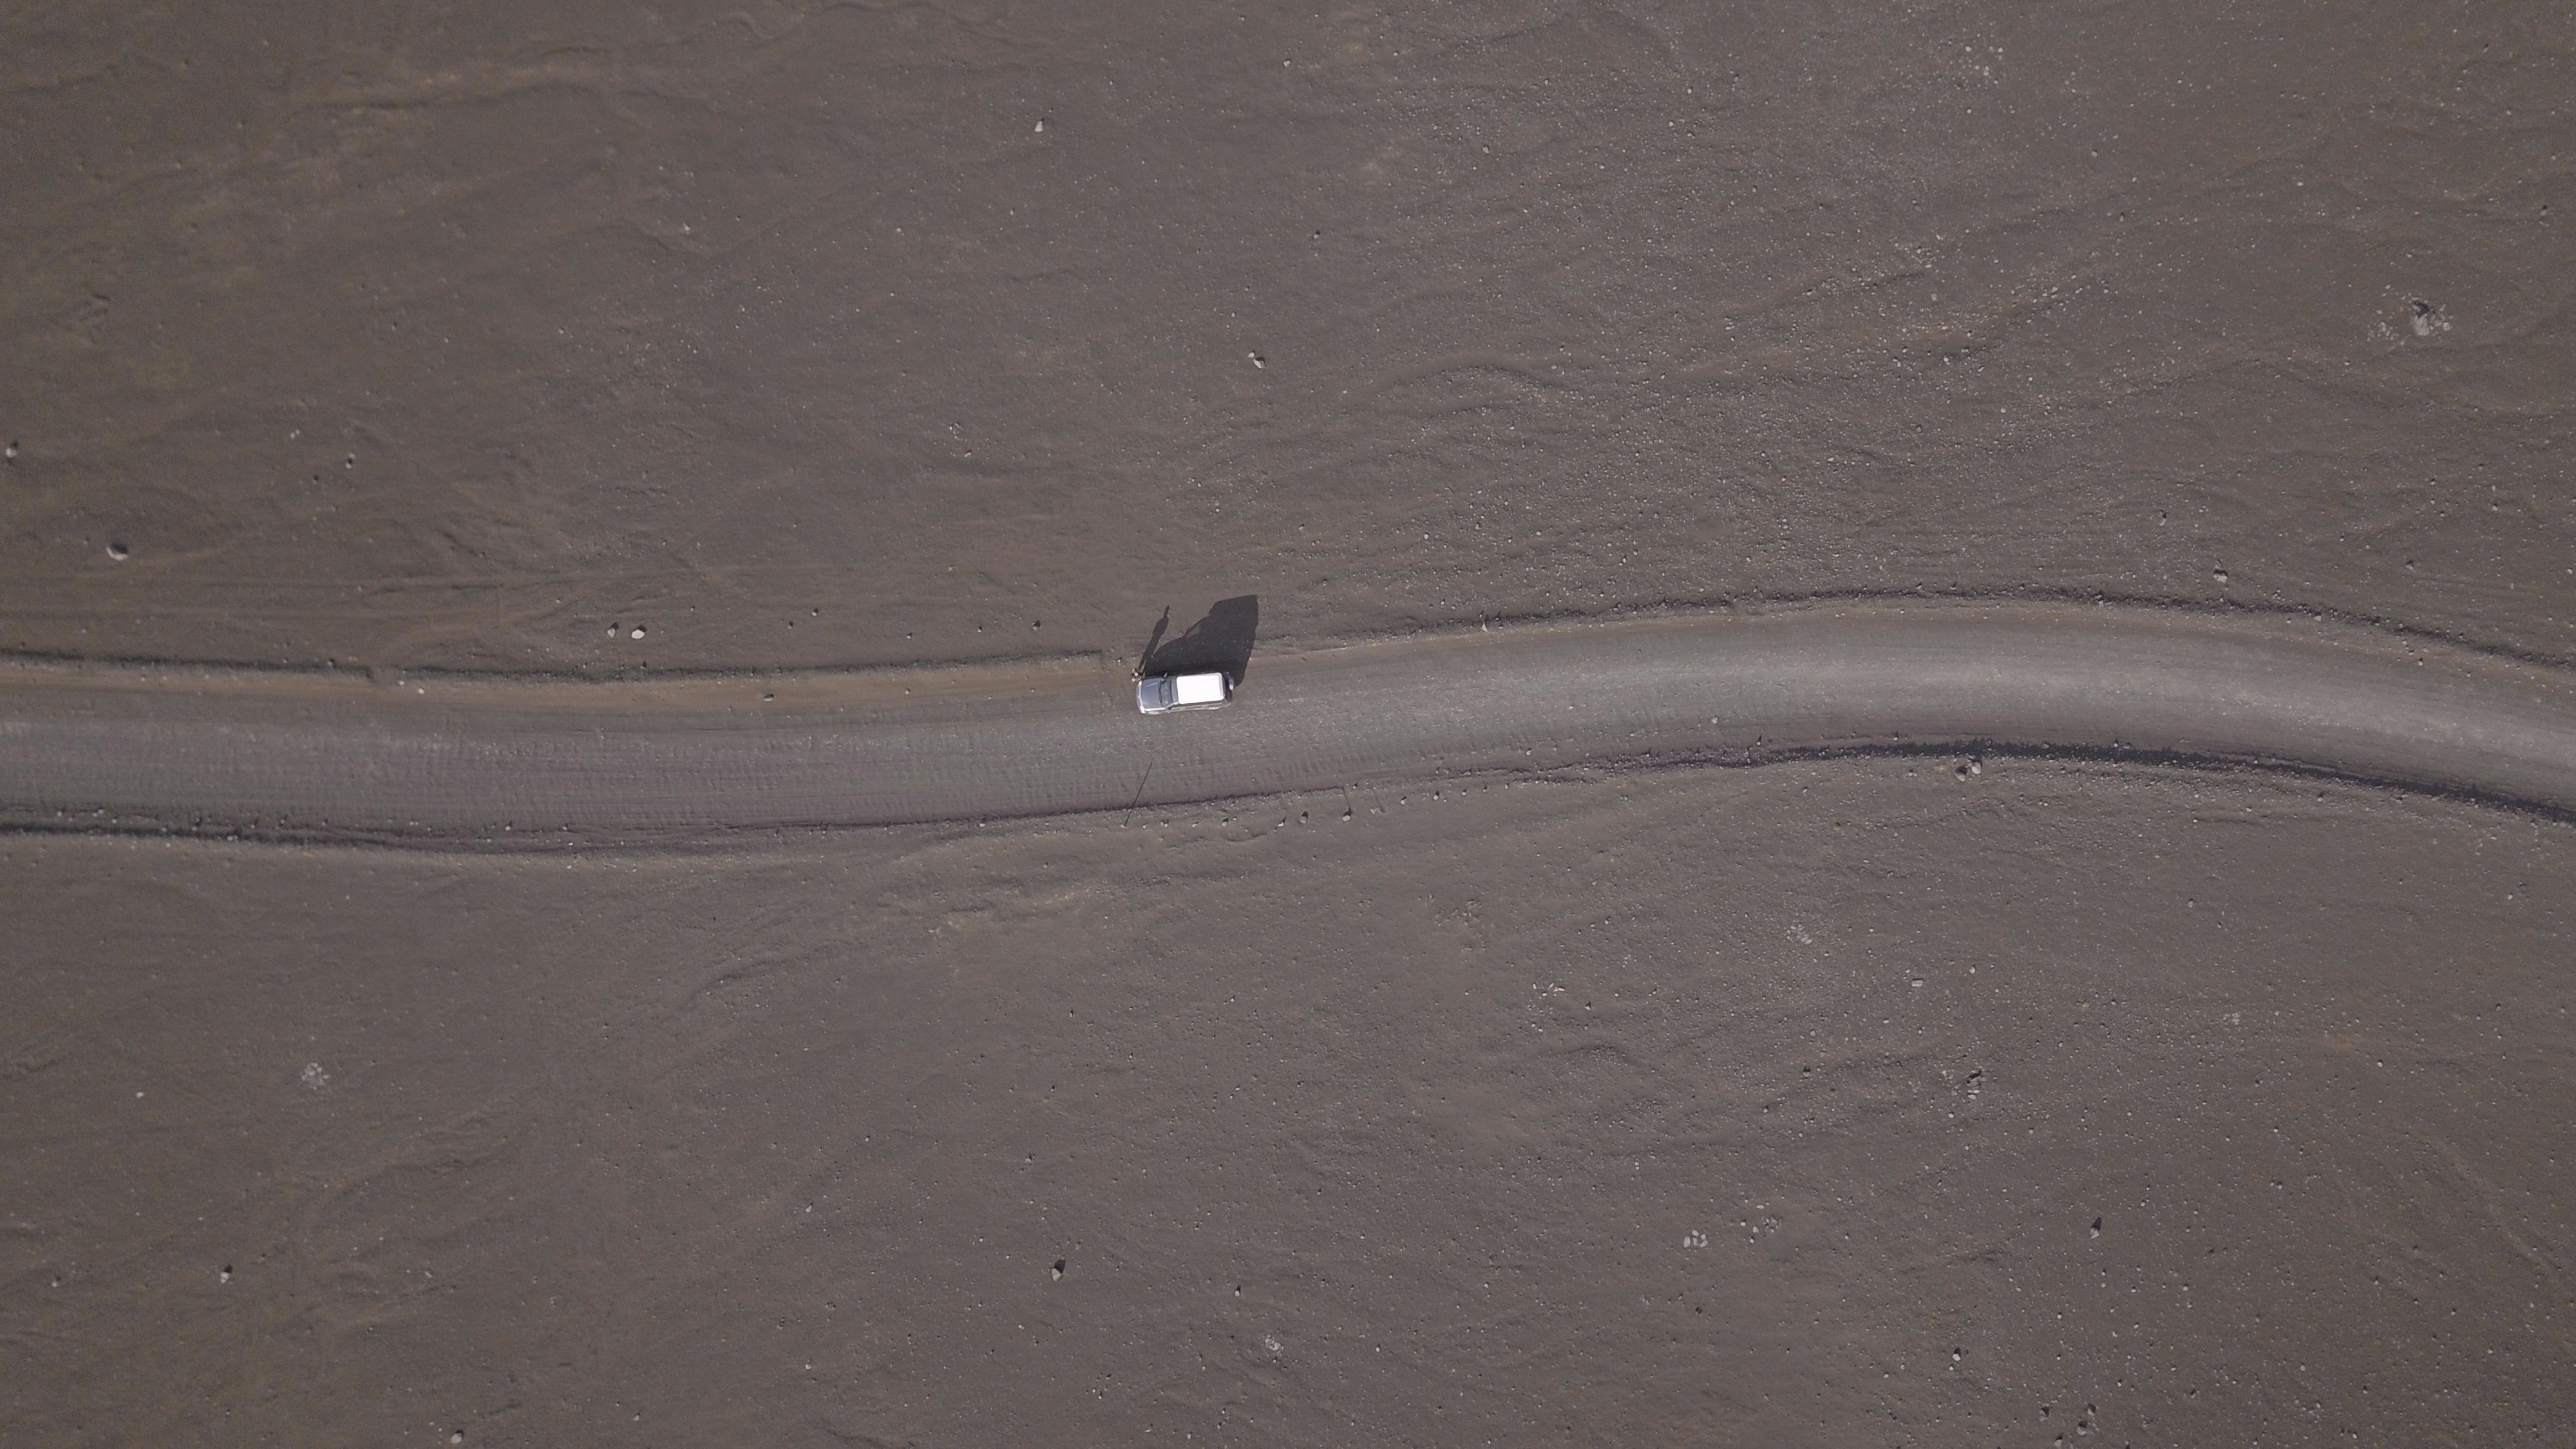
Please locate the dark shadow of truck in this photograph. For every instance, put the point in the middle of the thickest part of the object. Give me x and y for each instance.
(1219, 643)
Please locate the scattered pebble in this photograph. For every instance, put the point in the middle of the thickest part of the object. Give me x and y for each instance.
(635, 633)
(1058, 1270)
(119, 551)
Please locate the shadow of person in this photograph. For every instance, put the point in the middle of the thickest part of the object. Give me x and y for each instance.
(1220, 642)
(1153, 642)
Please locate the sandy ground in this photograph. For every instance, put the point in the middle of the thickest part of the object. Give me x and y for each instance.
(825, 335)
(1772, 1106)
(1832, 1103)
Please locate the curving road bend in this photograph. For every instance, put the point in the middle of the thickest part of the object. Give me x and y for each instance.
(460, 762)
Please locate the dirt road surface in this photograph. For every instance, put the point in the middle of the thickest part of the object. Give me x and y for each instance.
(320, 757)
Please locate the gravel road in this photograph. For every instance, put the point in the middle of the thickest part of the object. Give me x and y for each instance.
(466, 762)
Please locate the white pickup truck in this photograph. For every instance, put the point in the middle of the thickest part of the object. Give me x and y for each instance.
(1163, 693)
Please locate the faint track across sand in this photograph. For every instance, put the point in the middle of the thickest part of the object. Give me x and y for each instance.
(460, 762)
